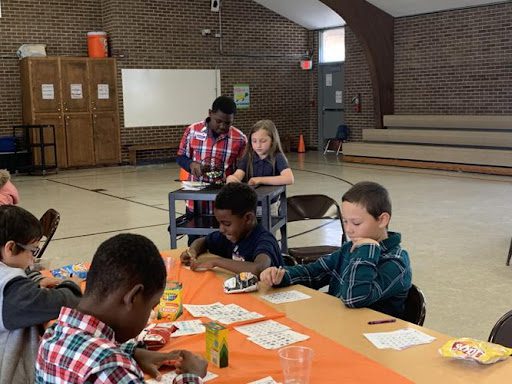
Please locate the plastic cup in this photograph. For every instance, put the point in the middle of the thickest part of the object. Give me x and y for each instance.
(169, 266)
(296, 363)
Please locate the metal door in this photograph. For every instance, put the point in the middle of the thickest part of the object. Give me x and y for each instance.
(330, 101)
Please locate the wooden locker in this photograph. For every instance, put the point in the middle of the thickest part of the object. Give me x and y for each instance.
(106, 142)
(78, 95)
(79, 139)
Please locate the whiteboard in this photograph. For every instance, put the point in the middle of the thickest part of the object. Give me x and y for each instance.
(156, 97)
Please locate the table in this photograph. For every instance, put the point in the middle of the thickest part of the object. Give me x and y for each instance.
(204, 224)
(327, 316)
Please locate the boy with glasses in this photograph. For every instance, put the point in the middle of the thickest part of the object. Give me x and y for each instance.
(26, 301)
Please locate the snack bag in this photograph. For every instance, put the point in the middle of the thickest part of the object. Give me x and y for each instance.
(171, 306)
(156, 336)
(243, 282)
(475, 350)
(79, 270)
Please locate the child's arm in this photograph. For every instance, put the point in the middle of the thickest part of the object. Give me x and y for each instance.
(314, 275)
(261, 262)
(197, 248)
(285, 178)
(236, 177)
(367, 284)
(26, 304)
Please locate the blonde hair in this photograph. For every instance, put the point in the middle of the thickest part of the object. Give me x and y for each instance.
(275, 148)
(5, 176)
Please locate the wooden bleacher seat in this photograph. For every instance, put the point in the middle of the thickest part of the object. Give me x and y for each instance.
(132, 149)
(459, 139)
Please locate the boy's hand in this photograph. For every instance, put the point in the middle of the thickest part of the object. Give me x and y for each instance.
(272, 276)
(191, 363)
(195, 169)
(75, 279)
(232, 179)
(254, 181)
(360, 241)
(188, 256)
(206, 264)
(49, 282)
(150, 361)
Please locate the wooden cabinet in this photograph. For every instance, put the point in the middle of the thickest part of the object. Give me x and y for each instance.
(78, 95)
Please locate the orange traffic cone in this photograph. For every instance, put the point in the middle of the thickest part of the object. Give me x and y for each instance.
(183, 175)
(302, 147)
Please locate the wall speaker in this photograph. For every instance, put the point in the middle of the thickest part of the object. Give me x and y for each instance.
(215, 5)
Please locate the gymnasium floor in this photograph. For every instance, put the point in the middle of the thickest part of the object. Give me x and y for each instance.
(457, 227)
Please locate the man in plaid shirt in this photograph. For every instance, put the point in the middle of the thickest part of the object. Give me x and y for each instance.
(212, 143)
(372, 270)
(125, 281)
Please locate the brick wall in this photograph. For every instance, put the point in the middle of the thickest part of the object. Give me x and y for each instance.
(455, 62)
(260, 48)
(357, 80)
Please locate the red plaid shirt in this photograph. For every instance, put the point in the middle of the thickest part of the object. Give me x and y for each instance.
(81, 349)
(199, 144)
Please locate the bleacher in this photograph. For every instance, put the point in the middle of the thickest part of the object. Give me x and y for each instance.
(456, 139)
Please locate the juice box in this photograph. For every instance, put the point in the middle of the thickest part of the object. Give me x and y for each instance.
(217, 344)
(171, 306)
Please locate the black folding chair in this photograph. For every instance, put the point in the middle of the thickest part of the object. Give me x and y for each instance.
(415, 306)
(502, 331)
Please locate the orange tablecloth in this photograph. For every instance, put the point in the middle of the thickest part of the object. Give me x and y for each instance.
(332, 362)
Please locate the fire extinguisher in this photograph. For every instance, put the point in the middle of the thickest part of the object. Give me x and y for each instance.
(356, 101)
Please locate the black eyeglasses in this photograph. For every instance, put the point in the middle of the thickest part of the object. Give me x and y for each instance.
(33, 250)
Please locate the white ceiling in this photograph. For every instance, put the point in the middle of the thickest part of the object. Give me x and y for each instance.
(399, 8)
(313, 14)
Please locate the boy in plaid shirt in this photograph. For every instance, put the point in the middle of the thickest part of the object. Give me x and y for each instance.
(125, 281)
(371, 270)
(212, 142)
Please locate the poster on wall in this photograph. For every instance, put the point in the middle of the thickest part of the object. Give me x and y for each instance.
(241, 95)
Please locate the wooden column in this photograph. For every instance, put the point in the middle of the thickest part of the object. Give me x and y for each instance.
(374, 29)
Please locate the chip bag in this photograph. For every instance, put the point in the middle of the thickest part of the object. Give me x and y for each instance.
(243, 282)
(79, 270)
(156, 336)
(475, 350)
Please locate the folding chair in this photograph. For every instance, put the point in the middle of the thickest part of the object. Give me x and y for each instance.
(337, 141)
(49, 222)
(502, 331)
(415, 306)
(509, 253)
(307, 207)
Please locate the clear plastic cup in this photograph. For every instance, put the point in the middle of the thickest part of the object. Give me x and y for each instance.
(169, 266)
(296, 362)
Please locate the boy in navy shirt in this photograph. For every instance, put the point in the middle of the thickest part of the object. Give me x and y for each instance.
(243, 244)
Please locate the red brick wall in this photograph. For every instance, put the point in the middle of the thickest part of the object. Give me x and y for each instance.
(260, 48)
(357, 80)
(455, 62)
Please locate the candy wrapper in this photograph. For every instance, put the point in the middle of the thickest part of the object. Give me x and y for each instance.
(156, 336)
(243, 282)
(79, 270)
(475, 350)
